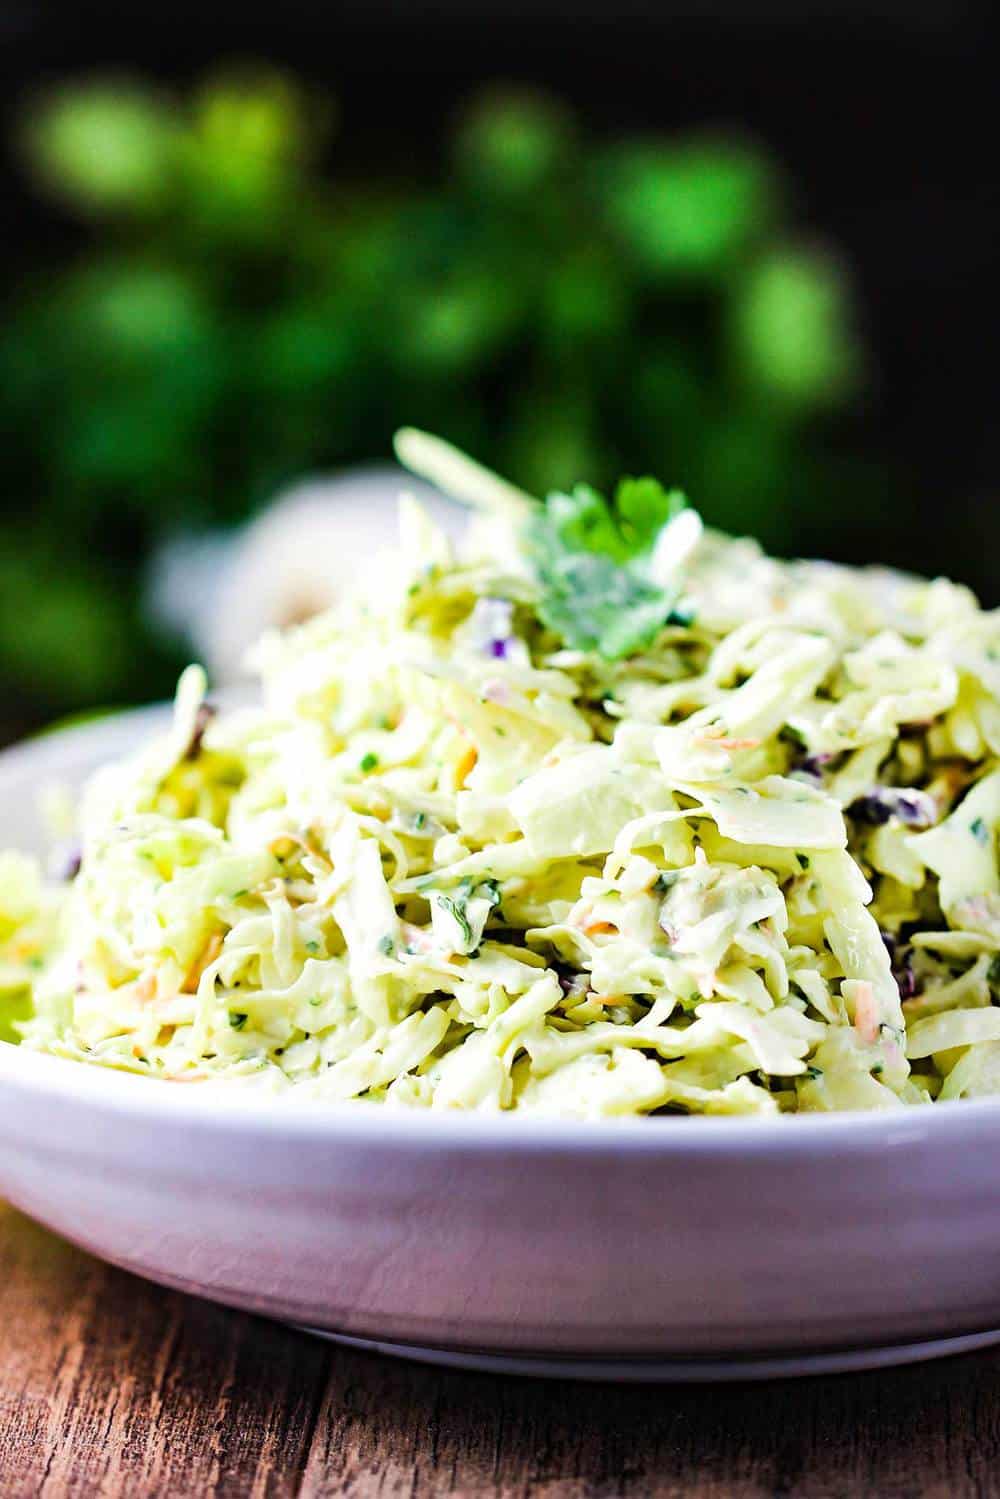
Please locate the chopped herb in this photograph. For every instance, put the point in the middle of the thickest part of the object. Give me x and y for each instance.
(877, 1070)
(814, 1072)
(368, 762)
(590, 556)
(237, 1019)
(312, 945)
(456, 907)
(387, 945)
(419, 820)
(979, 831)
(239, 894)
(663, 881)
(803, 860)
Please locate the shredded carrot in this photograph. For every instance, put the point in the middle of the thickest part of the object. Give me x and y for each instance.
(209, 953)
(466, 764)
(599, 926)
(145, 989)
(718, 742)
(865, 1012)
(416, 938)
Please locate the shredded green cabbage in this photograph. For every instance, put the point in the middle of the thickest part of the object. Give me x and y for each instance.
(735, 855)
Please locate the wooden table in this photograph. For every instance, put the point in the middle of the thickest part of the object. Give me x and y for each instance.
(109, 1386)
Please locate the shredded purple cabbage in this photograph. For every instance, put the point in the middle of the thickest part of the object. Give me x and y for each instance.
(901, 958)
(572, 983)
(66, 862)
(492, 626)
(812, 765)
(916, 809)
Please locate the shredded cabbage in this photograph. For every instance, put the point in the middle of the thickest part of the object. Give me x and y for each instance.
(456, 861)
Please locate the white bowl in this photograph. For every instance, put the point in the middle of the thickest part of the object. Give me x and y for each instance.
(668, 1246)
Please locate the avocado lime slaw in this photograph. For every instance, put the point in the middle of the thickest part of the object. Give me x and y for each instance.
(608, 815)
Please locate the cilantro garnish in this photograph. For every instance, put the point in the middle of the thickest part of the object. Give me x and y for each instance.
(591, 556)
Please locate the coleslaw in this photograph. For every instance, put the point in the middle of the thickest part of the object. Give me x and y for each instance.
(606, 814)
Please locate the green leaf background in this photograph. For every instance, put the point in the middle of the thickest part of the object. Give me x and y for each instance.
(239, 309)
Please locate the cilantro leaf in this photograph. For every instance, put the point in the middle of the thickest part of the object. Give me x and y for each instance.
(622, 528)
(591, 557)
(644, 507)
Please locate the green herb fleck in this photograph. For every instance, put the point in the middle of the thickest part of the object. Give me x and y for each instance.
(368, 762)
(456, 908)
(387, 945)
(237, 1019)
(979, 831)
(814, 1072)
(312, 945)
(803, 860)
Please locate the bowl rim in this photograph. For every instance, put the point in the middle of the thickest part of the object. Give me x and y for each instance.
(138, 1097)
(128, 1095)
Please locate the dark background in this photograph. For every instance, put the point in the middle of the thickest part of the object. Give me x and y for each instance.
(883, 116)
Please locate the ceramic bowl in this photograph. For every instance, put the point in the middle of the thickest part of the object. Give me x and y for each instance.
(670, 1246)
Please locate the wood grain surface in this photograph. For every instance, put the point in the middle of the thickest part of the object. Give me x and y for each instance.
(110, 1386)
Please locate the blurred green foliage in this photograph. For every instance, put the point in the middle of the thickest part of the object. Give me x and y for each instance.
(242, 310)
